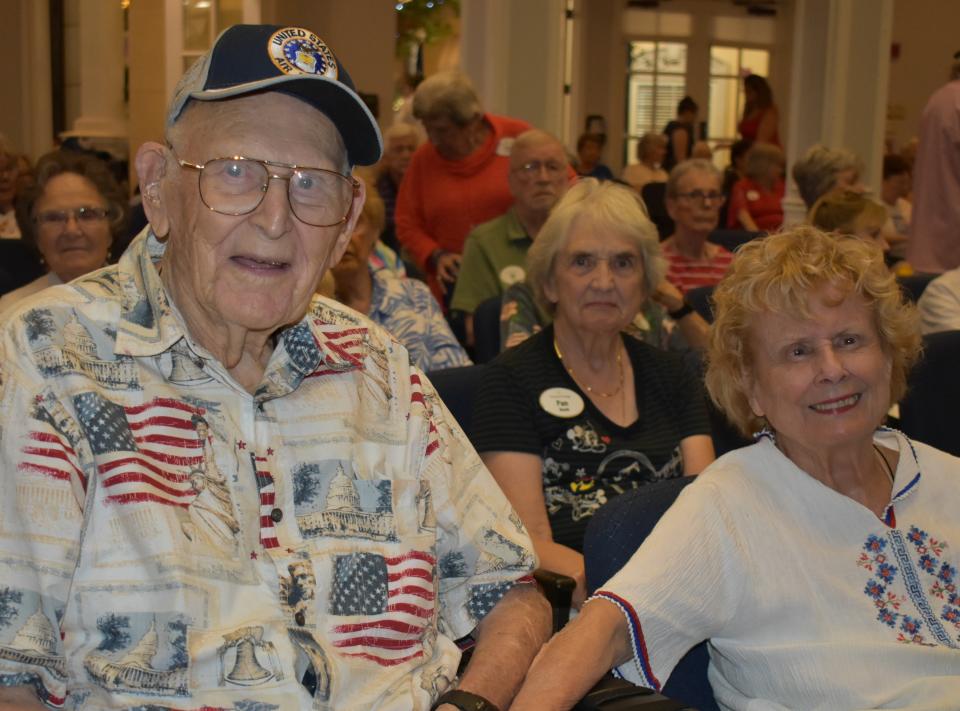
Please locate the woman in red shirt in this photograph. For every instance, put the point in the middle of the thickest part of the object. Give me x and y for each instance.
(760, 115)
(756, 199)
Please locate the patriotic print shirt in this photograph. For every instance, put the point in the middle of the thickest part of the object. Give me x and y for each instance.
(168, 540)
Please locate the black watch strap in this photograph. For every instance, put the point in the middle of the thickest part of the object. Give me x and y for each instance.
(465, 701)
(681, 312)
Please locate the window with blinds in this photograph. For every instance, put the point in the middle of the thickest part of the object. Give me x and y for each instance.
(656, 81)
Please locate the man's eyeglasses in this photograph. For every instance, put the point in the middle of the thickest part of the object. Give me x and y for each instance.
(532, 168)
(700, 196)
(83, 216)
(237, 185)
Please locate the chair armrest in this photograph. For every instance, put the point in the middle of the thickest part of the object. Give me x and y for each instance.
(558, 589)
(613, 694)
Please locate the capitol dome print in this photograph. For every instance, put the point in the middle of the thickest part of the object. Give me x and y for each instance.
(342, 495)
(36, 636)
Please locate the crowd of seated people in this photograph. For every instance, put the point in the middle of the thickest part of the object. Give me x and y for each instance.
(592, 395)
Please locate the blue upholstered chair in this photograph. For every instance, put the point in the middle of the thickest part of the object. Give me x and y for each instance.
(612, 536)
(486, 330)
(929, 411)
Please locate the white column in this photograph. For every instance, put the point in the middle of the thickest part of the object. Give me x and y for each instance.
(514, 52)
(101, 110)
(36, 107)
(838, 85)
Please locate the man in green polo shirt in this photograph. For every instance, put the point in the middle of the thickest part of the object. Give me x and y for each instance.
(495, 252)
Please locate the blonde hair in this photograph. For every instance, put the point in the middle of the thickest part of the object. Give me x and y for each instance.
(839, 211)
(778, 274)
(759, 159)
(373, 208)
(605, 206)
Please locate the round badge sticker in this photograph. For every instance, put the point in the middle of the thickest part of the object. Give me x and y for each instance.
(504, 146)
(512, 275)
(561, 402)
(295, 50)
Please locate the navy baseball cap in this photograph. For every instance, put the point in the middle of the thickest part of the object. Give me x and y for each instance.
(292, 60)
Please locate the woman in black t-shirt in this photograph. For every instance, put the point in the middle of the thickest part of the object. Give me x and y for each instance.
(579, 413)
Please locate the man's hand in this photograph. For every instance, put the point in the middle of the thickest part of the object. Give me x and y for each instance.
(508, 639)
(668, 296)
(20, 698)
(448, 266)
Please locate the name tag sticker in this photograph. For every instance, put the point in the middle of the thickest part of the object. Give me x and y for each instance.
(504, 146)
(512, 274)
(561, 402)
(753, 195)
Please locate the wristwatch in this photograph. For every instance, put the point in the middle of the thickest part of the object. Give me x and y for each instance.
(464, 700)
(681, 312)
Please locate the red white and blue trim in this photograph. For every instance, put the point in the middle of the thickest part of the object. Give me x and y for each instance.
(640, 656)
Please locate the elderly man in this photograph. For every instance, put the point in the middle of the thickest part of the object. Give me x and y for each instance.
(494, 253)
(218, 494)
(399, 143)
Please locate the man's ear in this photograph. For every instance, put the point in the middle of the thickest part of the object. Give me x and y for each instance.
(346, 232)
(151, 165)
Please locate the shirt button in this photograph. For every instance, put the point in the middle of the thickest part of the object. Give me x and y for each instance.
(276, 515)
(300, 619)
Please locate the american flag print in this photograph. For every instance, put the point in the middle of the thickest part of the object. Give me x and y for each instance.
(344, 348)
(144, 452)
(391, 601)
(417, 396)
(268, 497)
(50, 453)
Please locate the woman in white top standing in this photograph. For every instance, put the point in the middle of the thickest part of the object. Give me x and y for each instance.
(651, 149)
(71, 216)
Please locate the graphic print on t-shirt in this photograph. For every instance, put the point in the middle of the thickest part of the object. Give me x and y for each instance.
(578, 471)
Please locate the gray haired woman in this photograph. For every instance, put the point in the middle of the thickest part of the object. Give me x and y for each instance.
(823, 169)
(71, 216)
(580, 412)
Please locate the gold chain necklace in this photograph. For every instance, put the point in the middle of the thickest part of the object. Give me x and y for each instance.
(556, 349)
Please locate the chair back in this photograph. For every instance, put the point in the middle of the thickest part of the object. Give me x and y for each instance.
(615, 532)
(19, 265)
(655, 198)
(928, 413)
(732, 239)
(700, 298)
(486, 330)
(457, 387)
(914, 285)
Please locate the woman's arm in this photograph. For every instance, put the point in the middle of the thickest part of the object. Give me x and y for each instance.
(767, 128)
(572, 662)
(746, 220)
(681, 144)
(696, 331)
(521, 479)
(697, 452)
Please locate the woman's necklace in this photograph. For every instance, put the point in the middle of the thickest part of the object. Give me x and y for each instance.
(886, 464)
(556, 348)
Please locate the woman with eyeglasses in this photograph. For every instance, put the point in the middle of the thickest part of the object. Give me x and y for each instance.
(70, 216)
(581, 412)
(693, 201)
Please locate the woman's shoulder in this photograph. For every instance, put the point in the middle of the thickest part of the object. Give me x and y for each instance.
(531, 353)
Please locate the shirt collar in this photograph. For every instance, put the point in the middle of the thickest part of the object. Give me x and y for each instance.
(149, 324)
(515, 230)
